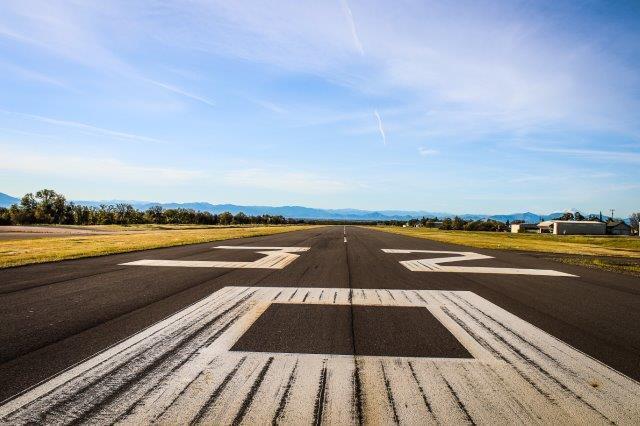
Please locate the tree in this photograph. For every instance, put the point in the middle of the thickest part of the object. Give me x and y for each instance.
(457, 223)
(567, 216)
(579, 216)
(154, 214)
(5, 216)
(225, 218)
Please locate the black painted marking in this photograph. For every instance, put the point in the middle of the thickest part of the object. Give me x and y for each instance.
(277, 295)
(334, 296)
(305, 297)
(252, 392)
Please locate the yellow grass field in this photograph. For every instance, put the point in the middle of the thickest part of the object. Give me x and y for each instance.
(545, 243)
(23, 252)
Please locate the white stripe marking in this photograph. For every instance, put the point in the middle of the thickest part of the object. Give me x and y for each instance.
(181, 370)
(275, 258)
(434, 265)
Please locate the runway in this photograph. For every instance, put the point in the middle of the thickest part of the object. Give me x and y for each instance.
(328, 325)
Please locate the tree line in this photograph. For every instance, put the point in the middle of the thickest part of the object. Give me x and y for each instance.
(459, 224)
(51, 208)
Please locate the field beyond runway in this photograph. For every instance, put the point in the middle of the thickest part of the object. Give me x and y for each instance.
(328, 324)
(37, 244)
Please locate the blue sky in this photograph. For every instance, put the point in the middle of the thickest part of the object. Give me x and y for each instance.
(466, 107)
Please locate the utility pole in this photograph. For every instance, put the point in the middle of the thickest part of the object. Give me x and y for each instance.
(612, 210)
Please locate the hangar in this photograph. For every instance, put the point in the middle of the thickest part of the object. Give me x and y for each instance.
(573, 227)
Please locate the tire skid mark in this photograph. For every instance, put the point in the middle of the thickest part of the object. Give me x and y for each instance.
(498, 355)
(320, 395)
(390, 398)
(420, 388)
(165, 377)
(214, 395)
(285, 395)
(252, 392)
(112, 393)
(175, 374)
(456, 398)
(357, 392)
(126, 359)
(537, 366)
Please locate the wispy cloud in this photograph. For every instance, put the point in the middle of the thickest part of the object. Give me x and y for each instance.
(93, 167)
(179, 91)
(593, 154)
(352, 26)
(86, 128)
(31, 75)
(271, 106)
(380, 128)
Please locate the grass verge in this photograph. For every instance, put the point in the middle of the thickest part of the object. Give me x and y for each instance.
(619, 254)
(23, 252)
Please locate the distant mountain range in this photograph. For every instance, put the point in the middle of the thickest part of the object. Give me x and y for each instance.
(7, 200)
(299, 212)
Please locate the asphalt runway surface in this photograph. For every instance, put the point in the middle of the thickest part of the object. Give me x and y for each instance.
(318, 326)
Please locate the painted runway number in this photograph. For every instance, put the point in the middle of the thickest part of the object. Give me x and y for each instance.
(275, 258)
(181, 370)
(435, 264)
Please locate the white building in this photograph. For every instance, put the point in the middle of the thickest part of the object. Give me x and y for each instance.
(573, 227)
(524, 227)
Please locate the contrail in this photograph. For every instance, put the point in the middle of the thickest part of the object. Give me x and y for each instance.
(380, 128)
(179, 91)
(352, 24)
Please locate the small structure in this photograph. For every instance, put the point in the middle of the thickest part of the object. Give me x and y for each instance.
(618, 227)
(524, 227)
(573, 227)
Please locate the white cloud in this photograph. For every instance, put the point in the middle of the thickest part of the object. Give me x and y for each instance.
(352, 26)
(380, 128)
(87, 128)
(180, 91)
(91, 168)
(31, 75)
(593, 154)
(426, 152)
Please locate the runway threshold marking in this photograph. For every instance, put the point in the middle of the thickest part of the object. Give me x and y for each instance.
(275, 258)
(434, 264)
(181, 371)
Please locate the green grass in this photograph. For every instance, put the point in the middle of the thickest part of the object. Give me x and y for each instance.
(27, 251)
(545, 243)
(621, 265)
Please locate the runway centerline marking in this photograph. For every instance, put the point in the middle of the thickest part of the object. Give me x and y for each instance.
(275, 258)
(434, 264)
(181, 370)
